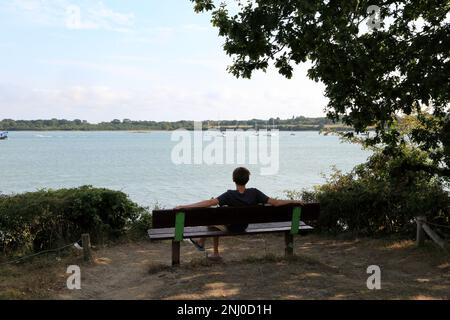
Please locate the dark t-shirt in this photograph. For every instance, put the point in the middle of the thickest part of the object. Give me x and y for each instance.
(250, 197)
(234, 198)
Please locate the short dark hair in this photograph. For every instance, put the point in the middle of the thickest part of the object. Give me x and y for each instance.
(241, 176)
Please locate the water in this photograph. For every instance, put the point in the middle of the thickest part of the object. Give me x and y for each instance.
(141, 166)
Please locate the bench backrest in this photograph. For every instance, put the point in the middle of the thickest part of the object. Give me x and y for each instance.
(234, 215)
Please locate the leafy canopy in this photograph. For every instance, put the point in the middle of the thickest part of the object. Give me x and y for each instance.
(371, 76)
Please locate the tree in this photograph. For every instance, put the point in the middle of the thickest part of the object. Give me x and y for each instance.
(371, 76)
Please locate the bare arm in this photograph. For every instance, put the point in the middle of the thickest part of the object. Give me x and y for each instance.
(201, 204)
(278, 203)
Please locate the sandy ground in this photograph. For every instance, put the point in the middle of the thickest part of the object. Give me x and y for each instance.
(252, 268)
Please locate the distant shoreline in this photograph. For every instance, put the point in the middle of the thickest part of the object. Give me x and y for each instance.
(292, 124)
(168, 130)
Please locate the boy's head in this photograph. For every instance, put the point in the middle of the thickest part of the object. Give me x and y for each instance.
(241, 176)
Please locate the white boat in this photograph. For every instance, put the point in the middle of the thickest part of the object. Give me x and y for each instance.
(3, 135)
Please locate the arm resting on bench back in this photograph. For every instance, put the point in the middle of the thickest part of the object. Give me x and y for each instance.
(278, 203)
(201, 204)
(215, 202)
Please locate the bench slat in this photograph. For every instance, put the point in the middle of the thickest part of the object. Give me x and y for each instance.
(204, 232)
(250, 227)
(234, 215)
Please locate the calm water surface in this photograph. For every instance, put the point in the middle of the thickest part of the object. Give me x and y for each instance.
(140, 165)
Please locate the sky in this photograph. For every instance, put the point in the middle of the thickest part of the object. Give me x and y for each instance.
(135, 59)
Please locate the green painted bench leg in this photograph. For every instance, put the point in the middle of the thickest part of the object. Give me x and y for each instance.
(178, 237)
(289, 243)
(289, 236)
(175, 253)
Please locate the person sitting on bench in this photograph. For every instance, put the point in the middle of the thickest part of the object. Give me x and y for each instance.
(235, 198)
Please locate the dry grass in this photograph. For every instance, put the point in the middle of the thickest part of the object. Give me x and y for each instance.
(252, 268)
(38, 278)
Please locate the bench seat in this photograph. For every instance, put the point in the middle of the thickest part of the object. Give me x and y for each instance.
(205, 232)
(180, 224)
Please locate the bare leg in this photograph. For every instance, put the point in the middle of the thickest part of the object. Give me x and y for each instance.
(215, 243)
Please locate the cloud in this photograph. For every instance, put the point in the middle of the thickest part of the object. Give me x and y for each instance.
(180, 75)
(97, 17)
(75, 16)
(158, 35)
(132, 86)
(164, 101)
(109, 69)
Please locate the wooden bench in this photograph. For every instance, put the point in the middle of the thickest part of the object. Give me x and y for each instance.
(177, 225)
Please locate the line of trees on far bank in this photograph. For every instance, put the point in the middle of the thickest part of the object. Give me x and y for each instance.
(294, 124)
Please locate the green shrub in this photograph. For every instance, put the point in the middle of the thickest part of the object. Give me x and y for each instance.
(139, 228)
(48, 218)
(380, 196)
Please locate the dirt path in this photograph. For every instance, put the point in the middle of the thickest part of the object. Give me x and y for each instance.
(323, 269)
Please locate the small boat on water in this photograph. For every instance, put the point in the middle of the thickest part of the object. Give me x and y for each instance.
(3, 135)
